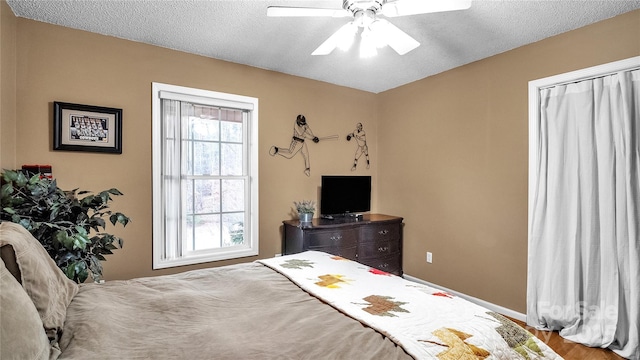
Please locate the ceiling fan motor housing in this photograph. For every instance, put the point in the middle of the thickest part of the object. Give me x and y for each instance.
(359, 5)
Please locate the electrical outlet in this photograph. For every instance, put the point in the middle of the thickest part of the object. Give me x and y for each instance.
(429, 257)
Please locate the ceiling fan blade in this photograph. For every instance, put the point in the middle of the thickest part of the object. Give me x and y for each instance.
(344, 33)
(415, 7)
(286, 11)
(397, 39)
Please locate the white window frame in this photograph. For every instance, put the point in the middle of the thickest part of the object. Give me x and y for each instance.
(166, 249)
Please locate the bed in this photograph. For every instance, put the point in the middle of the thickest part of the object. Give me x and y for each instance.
(311, 305)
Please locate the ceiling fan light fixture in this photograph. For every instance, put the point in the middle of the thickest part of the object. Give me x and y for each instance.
(364, 18)
(346, 36)
(368, 47)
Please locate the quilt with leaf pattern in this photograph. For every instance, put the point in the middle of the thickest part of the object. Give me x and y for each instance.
(426, 322)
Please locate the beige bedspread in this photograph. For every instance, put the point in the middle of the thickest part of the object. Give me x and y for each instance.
(244, 311)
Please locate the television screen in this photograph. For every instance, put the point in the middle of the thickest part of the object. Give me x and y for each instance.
(342, 194)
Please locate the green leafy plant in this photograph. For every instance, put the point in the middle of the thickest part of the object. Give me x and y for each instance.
(305, 206)
(68, 226)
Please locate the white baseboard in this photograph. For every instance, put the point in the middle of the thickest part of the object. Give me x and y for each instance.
(493, 307)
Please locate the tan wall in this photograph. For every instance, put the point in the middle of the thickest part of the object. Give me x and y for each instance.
(61, 64)
(454, 158)
(7, 87)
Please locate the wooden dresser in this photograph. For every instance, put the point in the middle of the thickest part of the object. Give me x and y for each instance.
(373, 239)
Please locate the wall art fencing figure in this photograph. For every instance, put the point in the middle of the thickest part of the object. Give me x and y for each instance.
(361, 140)
(301, 132)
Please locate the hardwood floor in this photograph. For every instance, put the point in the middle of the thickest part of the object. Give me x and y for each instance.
(568, 349)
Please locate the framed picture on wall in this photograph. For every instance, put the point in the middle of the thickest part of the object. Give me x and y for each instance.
(79, 127)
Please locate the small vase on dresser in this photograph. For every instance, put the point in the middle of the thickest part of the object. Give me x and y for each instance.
(305, 217)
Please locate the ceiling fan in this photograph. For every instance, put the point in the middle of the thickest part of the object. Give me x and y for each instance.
(376, 32)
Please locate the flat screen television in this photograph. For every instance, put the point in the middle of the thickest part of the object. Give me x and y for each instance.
(344, 195)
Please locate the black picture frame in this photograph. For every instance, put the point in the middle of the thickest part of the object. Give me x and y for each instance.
(78, 127)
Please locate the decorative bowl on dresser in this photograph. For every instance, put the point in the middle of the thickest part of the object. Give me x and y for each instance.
(371, 239)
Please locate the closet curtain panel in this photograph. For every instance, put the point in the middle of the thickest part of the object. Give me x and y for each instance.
(584, 247)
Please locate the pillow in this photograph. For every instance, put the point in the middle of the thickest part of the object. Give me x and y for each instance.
(47, 286)
(21, 333)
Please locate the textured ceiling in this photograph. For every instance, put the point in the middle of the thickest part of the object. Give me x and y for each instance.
(240, 32)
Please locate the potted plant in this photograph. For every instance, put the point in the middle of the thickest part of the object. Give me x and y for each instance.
(305, 209)
(62, 221)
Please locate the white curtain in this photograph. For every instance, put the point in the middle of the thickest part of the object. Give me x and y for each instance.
(584, 246)
(171, 207)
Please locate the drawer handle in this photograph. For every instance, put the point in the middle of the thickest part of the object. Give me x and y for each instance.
(382, 249)
(383, 232)
(384, 266)
(336, 238)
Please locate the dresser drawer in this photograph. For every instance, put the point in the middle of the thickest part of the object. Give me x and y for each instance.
(391, 263)
(332, 238)
(380, 232)
(379, 248)
(347, 252)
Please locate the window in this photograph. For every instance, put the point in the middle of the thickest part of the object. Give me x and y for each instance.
(205, 176)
